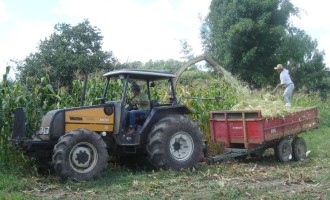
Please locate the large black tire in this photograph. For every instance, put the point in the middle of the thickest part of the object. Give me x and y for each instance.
(80, 155)
(299, 148)
(175, 142)
(283, 151)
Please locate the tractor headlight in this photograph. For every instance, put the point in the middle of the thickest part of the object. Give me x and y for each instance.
(44, 131)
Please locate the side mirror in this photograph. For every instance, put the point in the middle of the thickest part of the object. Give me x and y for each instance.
(152, 84)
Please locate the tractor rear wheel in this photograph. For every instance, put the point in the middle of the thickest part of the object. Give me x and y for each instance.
(175, 142)
(80, 155)
(299, 148)
(283, 151)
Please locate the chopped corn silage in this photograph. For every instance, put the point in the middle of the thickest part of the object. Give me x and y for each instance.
(241, 88)
(269, 109)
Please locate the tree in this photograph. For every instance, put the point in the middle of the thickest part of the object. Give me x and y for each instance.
(244, 35)
(68, 50)
(186, 50)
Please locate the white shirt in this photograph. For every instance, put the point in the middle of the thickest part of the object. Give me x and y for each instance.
(285, 77)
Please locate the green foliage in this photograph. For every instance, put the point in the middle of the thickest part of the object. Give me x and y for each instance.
(9, 184)
(69, 49)
(243, 36)
(312, 100)
(36, 96)
(202, 98)
(194, 76)
(304, 61)
(167, 65)
(186, 50)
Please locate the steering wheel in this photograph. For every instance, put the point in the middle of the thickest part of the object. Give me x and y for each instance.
(130, 105)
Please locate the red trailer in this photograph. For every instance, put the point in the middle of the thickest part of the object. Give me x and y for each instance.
(249, 133)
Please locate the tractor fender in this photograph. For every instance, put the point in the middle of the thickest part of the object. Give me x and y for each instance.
(158, 113)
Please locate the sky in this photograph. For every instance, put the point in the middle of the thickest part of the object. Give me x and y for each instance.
(134, 30)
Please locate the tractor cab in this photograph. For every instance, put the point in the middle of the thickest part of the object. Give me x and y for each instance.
(158, 91)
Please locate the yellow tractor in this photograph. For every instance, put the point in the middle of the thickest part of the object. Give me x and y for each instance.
(79, 140)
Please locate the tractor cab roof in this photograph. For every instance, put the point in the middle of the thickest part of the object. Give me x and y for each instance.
(150, 75)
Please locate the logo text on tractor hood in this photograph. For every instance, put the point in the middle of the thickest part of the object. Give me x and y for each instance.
(76, 118)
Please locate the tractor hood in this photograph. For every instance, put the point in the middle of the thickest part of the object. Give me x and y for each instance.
(52, 125)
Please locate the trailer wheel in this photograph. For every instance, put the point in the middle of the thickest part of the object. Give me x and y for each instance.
(175, 142)
(80, 155)
(283, 151)
(299, 149)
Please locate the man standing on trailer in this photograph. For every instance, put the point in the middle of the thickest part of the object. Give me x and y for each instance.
(286, 82)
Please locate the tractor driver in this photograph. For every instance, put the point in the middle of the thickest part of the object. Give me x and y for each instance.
(141, 100)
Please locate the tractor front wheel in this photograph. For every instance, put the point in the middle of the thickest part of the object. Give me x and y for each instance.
(175, 142)
(80, 155)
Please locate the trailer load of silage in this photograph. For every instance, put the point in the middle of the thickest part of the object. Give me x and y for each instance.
(269, 109)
